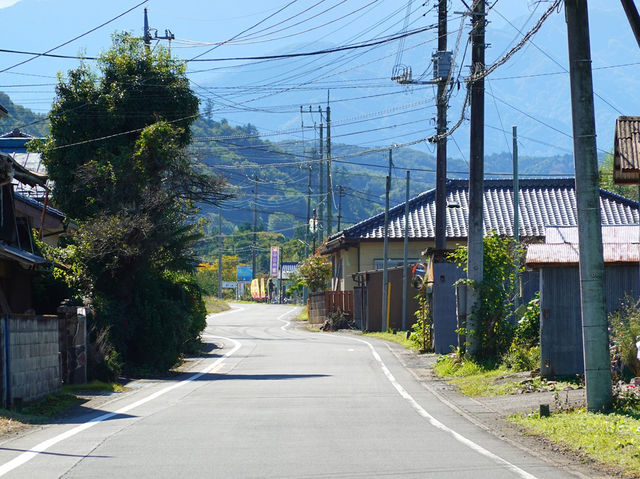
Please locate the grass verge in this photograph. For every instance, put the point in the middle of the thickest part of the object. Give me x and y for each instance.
(304, 315)
(475, 379)
(612, 439)
(215, 305)
(42, 410)
(400, 337)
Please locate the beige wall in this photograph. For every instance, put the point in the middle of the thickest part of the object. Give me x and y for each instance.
(369, 252)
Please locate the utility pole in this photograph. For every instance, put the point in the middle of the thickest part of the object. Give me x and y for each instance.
(321, 186)
(255, 224)
(385, 272)
(441, 129)
(340, 195)
(475, 264)
(219, 252)
(516, 216)
(308, 228)
(147, 33)
(594, 318)
(315, 225)
(329, 187)
(633, 17)
(405, 271)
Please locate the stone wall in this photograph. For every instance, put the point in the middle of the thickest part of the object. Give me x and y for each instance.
(34, 362)
(317, 313)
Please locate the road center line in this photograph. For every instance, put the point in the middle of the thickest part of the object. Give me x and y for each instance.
(45, 445)
(437, 424)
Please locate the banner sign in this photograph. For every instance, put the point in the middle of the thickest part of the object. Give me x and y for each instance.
(244, 272)
(275, 260)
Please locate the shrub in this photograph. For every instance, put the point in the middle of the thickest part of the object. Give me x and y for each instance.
(527, 332)
(496, 293)
(422, 328)
(624, 326)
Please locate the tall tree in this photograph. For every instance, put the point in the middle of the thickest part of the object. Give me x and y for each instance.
(117, 156)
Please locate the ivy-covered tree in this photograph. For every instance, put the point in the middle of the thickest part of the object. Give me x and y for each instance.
(117, 156)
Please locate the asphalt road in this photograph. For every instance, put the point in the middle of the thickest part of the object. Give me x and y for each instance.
(274, 401)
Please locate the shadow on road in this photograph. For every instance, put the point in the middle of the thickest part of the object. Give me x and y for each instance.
(257, 377)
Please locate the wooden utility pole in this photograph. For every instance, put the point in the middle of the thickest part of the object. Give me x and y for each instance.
(594, 317)
(441, 129)
(475, 264)
(633, 17)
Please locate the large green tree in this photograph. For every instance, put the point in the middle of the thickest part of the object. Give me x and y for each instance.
(117, 156)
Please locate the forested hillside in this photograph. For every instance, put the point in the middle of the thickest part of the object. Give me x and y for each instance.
(23, 118)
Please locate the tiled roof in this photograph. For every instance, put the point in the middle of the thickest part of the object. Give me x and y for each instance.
(37, 204)
(626, 159)
(543, 202)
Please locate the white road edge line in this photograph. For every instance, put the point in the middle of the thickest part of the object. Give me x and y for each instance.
(43, 446)
(437, 424)
(286, 323)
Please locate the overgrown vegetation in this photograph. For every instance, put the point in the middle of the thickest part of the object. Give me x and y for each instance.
(493, 311)
(624, 326)
(133, 196)
(421, 331)
(611, 439)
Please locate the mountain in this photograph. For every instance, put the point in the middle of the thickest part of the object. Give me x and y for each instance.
(531, 90)
(22, 118)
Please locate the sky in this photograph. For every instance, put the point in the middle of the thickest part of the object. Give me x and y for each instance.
(268, 96)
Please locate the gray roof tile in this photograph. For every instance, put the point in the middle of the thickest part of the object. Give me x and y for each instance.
(543, 202)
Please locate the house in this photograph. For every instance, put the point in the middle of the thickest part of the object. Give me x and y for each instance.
(556, 261)
(543, 203)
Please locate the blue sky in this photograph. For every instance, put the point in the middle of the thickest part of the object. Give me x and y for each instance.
(39, 25)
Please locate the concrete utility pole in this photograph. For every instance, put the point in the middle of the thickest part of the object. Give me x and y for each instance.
(594, 317)
(254, 247)
(475, 260)
(340, 195)
(441, 129)
(385, 272)
(329, 185)
(321, 186)
(147, 34)
(219, 252)
(405, 271)
(516, 215)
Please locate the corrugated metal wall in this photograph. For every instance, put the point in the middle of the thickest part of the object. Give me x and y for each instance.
(560, 320)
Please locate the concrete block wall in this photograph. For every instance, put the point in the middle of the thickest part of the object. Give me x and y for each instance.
(34, 362)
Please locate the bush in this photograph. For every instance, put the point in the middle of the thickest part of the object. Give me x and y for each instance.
(496, 293)
(624, 326)
(164, 321)
(521, 358)
(527, 332)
